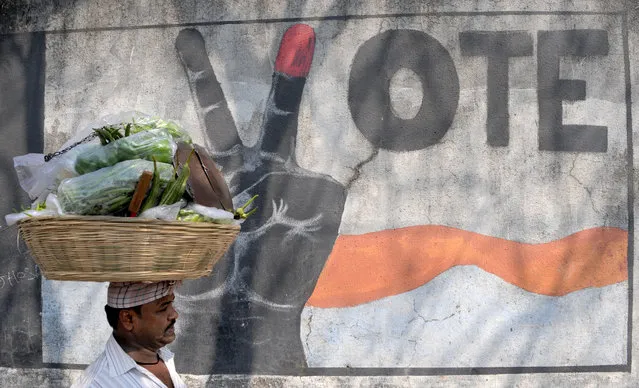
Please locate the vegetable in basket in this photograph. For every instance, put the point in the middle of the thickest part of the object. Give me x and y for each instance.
(199, 213)
(144, 145)
(193, 216)
(108, 190)
(109, 133)
(153, 197)
(176, 189)
(146, 123)
(206, 185)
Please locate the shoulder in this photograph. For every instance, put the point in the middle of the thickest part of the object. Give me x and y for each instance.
(94, 374)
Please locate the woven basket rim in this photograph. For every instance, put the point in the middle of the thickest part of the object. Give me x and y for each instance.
(67, 259)
(128, 220)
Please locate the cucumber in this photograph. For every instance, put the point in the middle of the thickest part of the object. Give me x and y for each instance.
(108, 190)
(156, 143)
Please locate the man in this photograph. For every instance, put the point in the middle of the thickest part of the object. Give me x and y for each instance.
(143, 319)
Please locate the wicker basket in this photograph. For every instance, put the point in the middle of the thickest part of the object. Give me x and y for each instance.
(92, 248)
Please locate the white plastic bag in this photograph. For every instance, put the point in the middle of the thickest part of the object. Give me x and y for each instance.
(211, 212)
(164, 212)
(52, 208)
(214, 215)
(39, 178)
(172, 213)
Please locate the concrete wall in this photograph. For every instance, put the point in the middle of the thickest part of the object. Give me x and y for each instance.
(446, 191)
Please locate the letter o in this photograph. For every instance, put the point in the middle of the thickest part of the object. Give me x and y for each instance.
(369, 101)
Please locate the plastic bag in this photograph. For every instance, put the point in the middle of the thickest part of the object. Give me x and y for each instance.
(144, 122)
(142, 145)
(108, 190)
(164, 212)
(198, 213)
(39, 178)
(52, 208)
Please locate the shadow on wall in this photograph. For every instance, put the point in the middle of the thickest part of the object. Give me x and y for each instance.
(21, 115)
(22, 79)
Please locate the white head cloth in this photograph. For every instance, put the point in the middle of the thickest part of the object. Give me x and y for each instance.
(122, 295)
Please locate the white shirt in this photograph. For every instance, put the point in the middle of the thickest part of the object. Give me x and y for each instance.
(116, 369)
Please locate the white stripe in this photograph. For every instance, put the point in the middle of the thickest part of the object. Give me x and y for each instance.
(467, 317)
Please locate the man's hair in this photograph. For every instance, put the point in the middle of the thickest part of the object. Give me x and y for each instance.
(113, 314)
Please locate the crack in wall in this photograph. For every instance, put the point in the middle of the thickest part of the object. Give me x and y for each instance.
(424, 320)
(589, 191)
(412, 357)
(359, 166)
(308, 334)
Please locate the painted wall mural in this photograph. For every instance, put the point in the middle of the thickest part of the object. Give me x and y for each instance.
(253, 302)
(439, 193)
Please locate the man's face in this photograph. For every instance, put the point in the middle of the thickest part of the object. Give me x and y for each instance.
(155, 325)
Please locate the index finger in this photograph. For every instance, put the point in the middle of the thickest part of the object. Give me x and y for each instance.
(211, 105)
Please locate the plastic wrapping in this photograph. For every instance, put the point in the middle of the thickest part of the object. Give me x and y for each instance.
(156, 143)
(198, 213)
(141, 121)
(52, 208)
(164, 212)
(108, 190)
(94, 179)
(144, 122)
(39, 178)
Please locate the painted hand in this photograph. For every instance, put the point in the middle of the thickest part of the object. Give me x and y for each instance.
(247, 313)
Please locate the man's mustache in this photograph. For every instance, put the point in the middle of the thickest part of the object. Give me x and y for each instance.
(170, 326)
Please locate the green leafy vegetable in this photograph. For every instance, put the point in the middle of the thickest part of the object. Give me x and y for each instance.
(147, 124)
(176, 188)
(108, 190)
(144, 145)
(193, 216)
(154, 194)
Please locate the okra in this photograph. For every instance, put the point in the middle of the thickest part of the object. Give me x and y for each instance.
(103, 139)
(192, 216)
(240, 213)
(108, 135)
(175, 190)
(152, 199)
(108, 190)
(115, 133)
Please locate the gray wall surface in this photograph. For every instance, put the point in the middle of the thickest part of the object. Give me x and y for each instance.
(447, 189)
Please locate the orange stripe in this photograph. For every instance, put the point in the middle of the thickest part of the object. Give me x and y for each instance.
(363, 268)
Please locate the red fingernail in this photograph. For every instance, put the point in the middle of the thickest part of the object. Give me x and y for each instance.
(296, 51)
